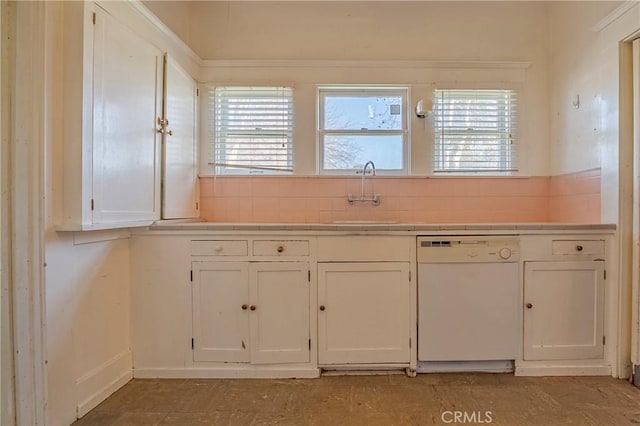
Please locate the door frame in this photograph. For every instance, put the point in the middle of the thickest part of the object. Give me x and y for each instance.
(630, 84)
(25, 119)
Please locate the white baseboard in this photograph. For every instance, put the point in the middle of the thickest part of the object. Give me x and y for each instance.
(505, 366)
(102, 381)
(564, 370)
(227, 373)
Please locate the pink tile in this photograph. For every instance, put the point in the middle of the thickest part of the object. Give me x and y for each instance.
(291, 216)
(535, 186)
(265, 203)
(206, 187)
(266, 216)
(268, 187)
(588, 185)
(325, 217)
(293, 203)
(566, 198)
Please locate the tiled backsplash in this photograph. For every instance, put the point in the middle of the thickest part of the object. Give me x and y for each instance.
(575, 197)
(570, 198)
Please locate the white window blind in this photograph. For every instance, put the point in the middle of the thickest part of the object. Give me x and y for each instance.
(252, 129)
(475, 131)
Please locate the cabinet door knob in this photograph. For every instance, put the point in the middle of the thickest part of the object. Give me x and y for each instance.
(529, 306)
(244, 307)
(579, 248)
(322, 308)
(280, 249)
(253, 308)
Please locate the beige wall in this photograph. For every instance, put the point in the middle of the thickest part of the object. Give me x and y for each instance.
(368, 30)
(585, 63)
(375, 31)
(174, 14)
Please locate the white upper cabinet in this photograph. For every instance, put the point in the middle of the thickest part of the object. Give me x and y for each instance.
(180, 175)
(127, 95)
(113, 81)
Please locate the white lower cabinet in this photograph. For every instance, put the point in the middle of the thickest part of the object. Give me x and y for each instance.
(255, 312)
(364, 313)
(563, 310)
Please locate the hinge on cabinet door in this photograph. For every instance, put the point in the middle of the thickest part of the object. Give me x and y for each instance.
(309, 275)
(309, 344)
(409, 342)
(92, 204)
(191, 275)
(605, 274)
(197, 92)
(409, 276)
(604, 340)
(94, 18)
(197, 205)
(193, 344)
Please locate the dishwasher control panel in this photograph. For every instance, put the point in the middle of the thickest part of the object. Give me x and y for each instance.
(464, 249)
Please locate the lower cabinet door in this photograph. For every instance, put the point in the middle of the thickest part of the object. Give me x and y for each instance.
(220, 295)
(364, 313)
(563, 310)
(279, 316)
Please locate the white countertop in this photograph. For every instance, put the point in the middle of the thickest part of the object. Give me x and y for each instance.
(170, 225)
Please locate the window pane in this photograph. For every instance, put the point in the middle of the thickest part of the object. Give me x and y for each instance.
(352, 112)
(353, 151)
(475, 130)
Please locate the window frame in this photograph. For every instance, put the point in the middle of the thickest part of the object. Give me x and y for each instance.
(516, 152)
(402, 91)
(212, 134)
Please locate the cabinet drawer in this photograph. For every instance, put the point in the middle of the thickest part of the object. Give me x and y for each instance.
(280, 248)
(219, 248)
(577, 247)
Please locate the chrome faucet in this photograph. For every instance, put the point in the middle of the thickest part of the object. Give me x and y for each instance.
(375, 199)
(364, 174)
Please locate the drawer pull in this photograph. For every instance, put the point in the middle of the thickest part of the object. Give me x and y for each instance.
(280, 249)
(579, 248)
(322, 308)
(529, 306)
(244, 307)
(253, 308)
(218, 249)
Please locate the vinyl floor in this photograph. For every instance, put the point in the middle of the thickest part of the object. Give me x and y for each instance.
(498, 399)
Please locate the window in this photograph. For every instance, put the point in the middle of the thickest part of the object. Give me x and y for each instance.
(252, 129)
(475, 131)
(358, 124)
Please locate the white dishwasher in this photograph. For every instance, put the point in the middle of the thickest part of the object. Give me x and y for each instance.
(468, 302)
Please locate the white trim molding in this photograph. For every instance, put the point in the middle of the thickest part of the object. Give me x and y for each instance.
(172, 37)
(614, 15)
(312, 63)
(119, 367)
(26, 206)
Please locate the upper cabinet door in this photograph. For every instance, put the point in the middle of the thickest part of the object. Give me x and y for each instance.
(180, 189)
(127, 90)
